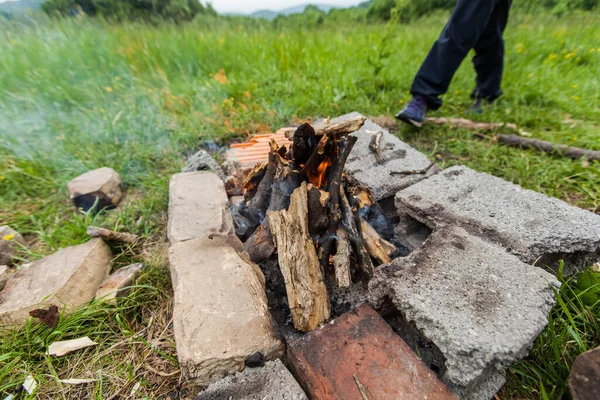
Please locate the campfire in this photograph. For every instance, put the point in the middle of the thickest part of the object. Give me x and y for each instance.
(324, 230)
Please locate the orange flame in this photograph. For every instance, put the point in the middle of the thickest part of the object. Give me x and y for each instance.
(320, 176)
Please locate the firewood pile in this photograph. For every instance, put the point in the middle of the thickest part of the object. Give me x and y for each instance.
(301, 208)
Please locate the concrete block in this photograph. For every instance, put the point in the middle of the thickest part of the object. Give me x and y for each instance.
(529, 224)
(271, 382)
(198, 206)
(220, 315)
(358, 355)
(68, 278)
(363, 168)
(481, 306)
(203, 161)
(102, 185)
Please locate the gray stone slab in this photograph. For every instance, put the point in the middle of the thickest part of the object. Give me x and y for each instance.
(529, 224)
(363, 168)
(220, 312)
(198, 206)
(481, 306)
(273, 381)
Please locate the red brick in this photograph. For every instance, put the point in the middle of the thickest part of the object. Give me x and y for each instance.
(360, 348)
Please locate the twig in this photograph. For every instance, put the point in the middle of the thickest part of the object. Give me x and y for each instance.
(375, 146)
(571, 152)
(363, 392)
(414, 171)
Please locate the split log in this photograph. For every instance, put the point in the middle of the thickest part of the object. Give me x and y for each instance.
(94, 231)
(341, 260)
(375, 146)
(379, 248)
(260, 246)
(305, 286)
(356, 239)
(575, 153)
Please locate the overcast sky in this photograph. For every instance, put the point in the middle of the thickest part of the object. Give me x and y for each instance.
(247, 6)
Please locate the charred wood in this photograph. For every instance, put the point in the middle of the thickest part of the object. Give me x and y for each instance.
(304, 141)
(317, 210)
(260, 245)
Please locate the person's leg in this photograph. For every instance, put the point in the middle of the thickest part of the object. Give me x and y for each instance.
(489, 54)
(467, 23)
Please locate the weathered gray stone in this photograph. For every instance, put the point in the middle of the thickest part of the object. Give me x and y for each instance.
(10, 241)
(220, 315)
(116, 285)
(484, 389)
(102, 185)
(527, 223)
(203, 161)
(363, 168)
(5, 275)
(198, 206)
(68, 278)
(481, 306)
(271, 382)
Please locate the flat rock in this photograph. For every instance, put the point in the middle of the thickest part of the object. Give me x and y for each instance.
(358, 356)
(363, 168)
(584, 380)
(220, 315)
(529, 224)
(117, 283)
(10, 241)
(102, 185)
(68, 278)
(198, 206)
(203, 161)
(481, 306)
(271, 382)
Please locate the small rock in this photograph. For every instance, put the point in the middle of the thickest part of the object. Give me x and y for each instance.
(5, 274)
(68, 278)
(584, 381)
(203, 161)
(116, 285)
(102, 185)
(358, 355)
(271, 382)
(65, 347)
(94, 231)
(10, 241)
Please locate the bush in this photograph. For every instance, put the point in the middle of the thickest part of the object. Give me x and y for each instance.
(175, 10)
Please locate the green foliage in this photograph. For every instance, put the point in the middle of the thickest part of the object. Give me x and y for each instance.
(174, 10)
(587, 287)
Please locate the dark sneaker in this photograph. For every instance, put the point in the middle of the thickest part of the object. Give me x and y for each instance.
(476, 108)
(414, 112)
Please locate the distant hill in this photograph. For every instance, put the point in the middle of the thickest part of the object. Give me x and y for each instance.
(270, 15)
(20, 6)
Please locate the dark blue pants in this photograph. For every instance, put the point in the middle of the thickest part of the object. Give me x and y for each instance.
(474, 24)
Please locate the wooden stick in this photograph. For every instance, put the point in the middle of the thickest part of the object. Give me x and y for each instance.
(94, 231)
(414, 171)
(356, 239)
(340, 128)
(375, 146)
(305, 287)
(468, 124)
(379, 248)
(341, 260)
(575, 153)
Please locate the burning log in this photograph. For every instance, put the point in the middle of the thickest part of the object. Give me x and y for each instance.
(379, 248)
(317, 210)
(305, 286)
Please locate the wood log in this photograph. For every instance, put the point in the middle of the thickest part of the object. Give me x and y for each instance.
(255, 176)
(305, 286)
(339, 128)
(341, 260)
(260, 245)
(305, 140)
(379, 248)
(316, 158)
(575, 153)
(94, 231)
(356, 239)
(375, 147)
(317, 210)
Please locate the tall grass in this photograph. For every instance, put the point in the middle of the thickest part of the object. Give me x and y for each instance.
(79, 94)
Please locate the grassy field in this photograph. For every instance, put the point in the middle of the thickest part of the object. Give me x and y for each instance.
(81, 94)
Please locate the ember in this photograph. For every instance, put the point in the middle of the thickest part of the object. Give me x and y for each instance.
(299, 205)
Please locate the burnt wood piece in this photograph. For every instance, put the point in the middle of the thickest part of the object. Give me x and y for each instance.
(94, 231)
(305, 286)
(335, 213)
(372, 212)
(285, 182)
(255, 207)
(305, 139)
(379, 248)
(356, 240)
(255, 176)
(414, 171)
(341, 260)
(375, 146)
(260, 246)
(566, 151)
(317, 210)
(339, 128)
(318, 155)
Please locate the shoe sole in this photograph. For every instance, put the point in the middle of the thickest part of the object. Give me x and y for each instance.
(410, 121)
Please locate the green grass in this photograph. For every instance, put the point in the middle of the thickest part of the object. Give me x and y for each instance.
(81, 94)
